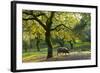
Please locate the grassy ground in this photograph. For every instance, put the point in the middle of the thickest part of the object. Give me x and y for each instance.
(41, 56)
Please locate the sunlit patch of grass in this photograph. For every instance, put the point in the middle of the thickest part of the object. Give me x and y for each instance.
(34, 55)
(40, 56)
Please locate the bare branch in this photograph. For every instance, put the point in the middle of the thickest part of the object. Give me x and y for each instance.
(60, 26)
(56, 27)
(28, 18)
(40, 14)
(28, 13)
(67, 27)
(49, 20)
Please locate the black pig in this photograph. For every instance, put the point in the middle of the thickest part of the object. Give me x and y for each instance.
(62, 50)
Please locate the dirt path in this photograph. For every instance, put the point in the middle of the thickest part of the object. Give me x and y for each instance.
(80, 56)
(71, 56)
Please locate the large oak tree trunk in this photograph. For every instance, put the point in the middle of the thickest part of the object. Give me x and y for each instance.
(48, 35)
(48, 41)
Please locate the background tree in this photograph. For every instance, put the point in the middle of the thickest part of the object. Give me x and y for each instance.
(82, 29)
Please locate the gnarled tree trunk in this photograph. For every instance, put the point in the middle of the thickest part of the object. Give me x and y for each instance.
(48, 41)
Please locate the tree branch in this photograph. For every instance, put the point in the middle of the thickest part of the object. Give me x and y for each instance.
(28, 12)
(67, 27)
(35, 18)
(60, 26)
(49, 20)
(28, 18)
(56, 27)
(39, 21)
(41, 14)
